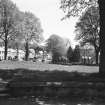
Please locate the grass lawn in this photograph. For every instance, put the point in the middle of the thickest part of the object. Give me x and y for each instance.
(89, 87)
(43, 66)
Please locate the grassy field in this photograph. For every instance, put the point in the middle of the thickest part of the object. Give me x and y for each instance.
(44, 66)
(30, 72)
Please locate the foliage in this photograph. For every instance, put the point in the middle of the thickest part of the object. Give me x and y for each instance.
(70, 54)
(57, 46)
(8, 17)
(88, 11)
(88, 29)
(30, 27)
(76, 54)
(17, 28)
(30, 30)
(8, 21)
(76, 7)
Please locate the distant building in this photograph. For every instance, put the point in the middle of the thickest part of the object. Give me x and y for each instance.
(1, 53)
(31, 54)
(87, 54)
(21, 55)
(12, 53)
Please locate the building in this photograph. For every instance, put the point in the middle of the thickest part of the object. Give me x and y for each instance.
(1, 53)
(12, 53)
(87, 54)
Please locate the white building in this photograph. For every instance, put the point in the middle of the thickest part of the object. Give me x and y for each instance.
(31, 54)
(1, 53)
(21, 55)
(12, 53)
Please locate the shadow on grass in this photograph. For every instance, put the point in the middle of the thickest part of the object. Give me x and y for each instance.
(52, 76)
(54, 84)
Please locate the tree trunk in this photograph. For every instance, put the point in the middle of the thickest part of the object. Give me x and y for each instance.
(6, 47)
(35, 53)
(43, 56)
(27, 51)
(17, 53)
(96, 55)
(102, 37)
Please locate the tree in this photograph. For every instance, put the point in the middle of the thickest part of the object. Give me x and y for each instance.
(88, 29)
(57, 46)
(8, 13)
(76, 54)
(76, 7)
(36, 47)
(17, 44)
(70, 54)
(31, 30)
(71, 6)
(102, 37)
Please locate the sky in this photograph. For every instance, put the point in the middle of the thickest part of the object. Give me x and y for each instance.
(50, 14)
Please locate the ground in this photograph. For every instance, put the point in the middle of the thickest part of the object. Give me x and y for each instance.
(36, 101)
(51, 67)
(43, 66)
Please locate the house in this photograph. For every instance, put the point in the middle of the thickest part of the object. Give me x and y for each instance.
(12, 53)
(1, 53)
(87, 54)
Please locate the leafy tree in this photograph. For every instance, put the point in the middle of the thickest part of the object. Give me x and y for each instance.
(31, 30)
(71, 7)
(36, 47)
(8, 20)
(70, 54)
(16, 44)
(88, 29)
(76, 7)
(76, 54)
(57, 46)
